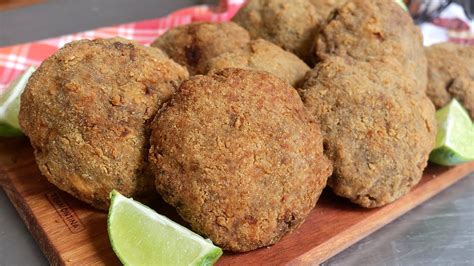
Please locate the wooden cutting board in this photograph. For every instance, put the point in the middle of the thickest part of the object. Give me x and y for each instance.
(70, 232)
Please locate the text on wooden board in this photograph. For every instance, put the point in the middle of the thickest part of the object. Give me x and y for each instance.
(66, 213)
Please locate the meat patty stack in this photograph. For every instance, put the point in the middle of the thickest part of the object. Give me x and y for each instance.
(368, 93)
(367, 90)
(235, 151)
(240, 154)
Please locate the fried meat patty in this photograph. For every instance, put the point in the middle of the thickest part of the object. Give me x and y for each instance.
(87, 111)
(239, 157)
(265, 56)
(451, 74)
(193, 45)
(371, 30)
(291, 25)
(376, 130)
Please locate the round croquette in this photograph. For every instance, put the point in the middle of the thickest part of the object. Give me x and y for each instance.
(377, 131)
(193, 45)
(87, 111)
(238, 156)
(265, 56)
(371, 30)
(451, 74)
(291, 25)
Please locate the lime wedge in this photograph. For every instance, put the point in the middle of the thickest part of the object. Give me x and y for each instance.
(140, 236)
(402, 4)
(455, 139)
(10, 105)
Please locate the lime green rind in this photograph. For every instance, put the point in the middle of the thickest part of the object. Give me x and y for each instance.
(10, 104)
(455, 138)
(140, 236)
(112, 197)
(211, 258)
(448, 157)
(402, 4)
(12, 113)
(443, 125)
(8, 131)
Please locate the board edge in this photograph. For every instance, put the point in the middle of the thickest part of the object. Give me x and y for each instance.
(29, 219)
(320, 254)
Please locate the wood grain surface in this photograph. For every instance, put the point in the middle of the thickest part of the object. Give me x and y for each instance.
(71, 233)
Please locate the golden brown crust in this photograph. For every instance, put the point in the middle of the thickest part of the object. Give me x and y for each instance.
(325, 7)
(289, 24)
(238, 156)
(451, 74)
(193, 45)
(265, 56)
(86, 111)
(376, 130)
(370, 30)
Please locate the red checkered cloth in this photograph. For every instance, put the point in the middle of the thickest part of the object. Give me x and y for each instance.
(15, 59)
(452, 25)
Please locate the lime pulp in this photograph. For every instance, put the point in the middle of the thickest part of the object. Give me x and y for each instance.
(455, 138)
(140, 236)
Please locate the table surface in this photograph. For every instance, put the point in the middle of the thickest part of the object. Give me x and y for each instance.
(439, 232)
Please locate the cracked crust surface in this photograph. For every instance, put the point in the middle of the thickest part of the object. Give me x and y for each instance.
(451, 74)
(193, 45)
(377, 131)
(87, 111)
(265, 56)
(238, 156)
(370, 30)
(325, 7)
